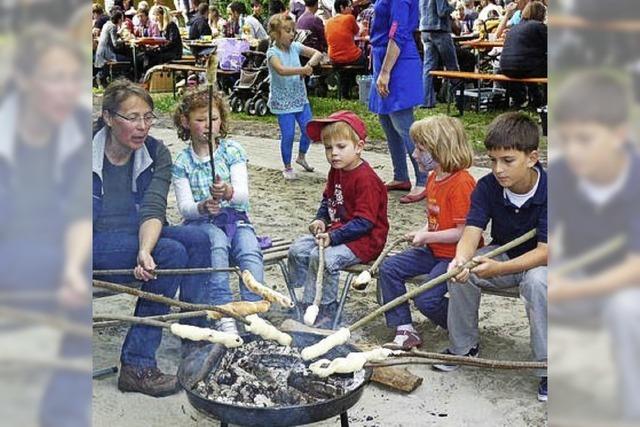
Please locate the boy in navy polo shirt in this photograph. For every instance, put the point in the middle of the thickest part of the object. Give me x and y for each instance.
(514, 199)
(595, 197)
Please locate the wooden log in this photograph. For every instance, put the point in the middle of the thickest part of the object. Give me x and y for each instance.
(396, 378)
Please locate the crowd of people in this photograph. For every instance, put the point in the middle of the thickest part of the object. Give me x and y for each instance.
(133, 171)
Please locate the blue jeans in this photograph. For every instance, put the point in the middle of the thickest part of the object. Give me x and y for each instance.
(287, 123)
(243, 251)
(396, 127)
(438, 50)
(395, 270)
(177, 247)
(303, 260)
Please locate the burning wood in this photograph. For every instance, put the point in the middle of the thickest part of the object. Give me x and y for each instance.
(265, 374)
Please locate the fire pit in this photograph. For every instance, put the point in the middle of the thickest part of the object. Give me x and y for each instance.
(264, 384)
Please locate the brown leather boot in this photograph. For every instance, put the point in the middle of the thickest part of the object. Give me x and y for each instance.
(150, 381)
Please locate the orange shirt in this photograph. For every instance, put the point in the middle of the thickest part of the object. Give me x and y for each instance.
(448, 203)
(339, 32)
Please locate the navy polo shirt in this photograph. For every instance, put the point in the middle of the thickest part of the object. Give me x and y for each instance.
(489, 203)
(586, 225)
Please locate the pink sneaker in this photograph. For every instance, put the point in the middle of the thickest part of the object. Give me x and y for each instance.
(404, 340)
(289, 174)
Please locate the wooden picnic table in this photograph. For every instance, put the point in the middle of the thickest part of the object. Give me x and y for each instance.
(143, 42)
(483, 44)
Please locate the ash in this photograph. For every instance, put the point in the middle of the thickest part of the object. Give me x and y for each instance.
(265, 374)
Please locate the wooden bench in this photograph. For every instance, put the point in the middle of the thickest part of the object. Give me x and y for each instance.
(173, 69)
(479, 78)
(327, 69)
(354, 270)
(117, 66)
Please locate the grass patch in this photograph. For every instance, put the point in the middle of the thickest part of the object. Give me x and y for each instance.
(475, 124)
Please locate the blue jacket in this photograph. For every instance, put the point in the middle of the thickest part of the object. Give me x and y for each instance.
(435, 15)
(149, 162)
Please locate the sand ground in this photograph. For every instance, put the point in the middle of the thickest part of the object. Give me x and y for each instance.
(468, 396)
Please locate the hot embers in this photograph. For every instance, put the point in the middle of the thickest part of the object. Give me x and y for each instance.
(265, 374)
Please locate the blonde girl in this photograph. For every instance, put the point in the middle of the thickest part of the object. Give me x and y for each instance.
(441, 145)
(287, 92)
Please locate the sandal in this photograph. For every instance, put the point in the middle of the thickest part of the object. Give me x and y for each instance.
(404, 340)
(305, 165)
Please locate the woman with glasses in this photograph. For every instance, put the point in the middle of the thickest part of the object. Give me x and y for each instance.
(131, 176)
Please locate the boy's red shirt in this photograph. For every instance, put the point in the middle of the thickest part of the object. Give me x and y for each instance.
(448, 203)
(359, 193)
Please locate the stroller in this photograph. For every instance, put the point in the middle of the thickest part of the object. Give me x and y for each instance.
(251, 92)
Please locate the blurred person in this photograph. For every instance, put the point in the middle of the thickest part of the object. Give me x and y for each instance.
(216, 22)
(45, 224)
(326, 9)
(200, 27)
(342, 49)
(595, 197)
(142, 6)
(310, 22)
(297, 8)
(145, 27)
(396, 73)
(514, 198)
(511, 17)
(435, 26)
(256, 30)
(131, 177)
(169, 30)
(108, 44)
(525, 54)
(256, 8)
(364, 22)
(486, 7)
(99, 18)
(236, 11)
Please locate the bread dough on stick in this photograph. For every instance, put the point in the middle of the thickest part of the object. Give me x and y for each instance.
(311, 314)
(241, 308)
(352, 363)
(265, 292)
(341, 336)
(267, 331)
(195, 333)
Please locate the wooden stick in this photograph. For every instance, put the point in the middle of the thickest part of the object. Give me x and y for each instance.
(168, 271)
(468, 361)
(212, 162)
(164, 300)
(101, 321)
(138, 320)
(363, 279)
(440, 279)
(56, 322)
(592, 255)
(489, 363)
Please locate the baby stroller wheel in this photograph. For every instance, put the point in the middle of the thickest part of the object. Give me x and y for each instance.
(249, 107)
(236, 105)
(261, 108)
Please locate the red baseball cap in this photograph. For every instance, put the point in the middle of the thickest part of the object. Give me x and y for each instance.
(314, 127)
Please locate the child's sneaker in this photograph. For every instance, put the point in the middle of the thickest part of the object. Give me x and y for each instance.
(542, 390)
(404, 340)
(289, 174)
(444, 367)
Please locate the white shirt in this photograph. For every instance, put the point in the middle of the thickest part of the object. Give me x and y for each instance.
(601, 194)
(521, 199)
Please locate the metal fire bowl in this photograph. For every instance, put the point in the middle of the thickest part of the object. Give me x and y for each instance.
(202, 361)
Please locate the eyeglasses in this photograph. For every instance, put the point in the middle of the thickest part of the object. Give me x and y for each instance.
(147, 119)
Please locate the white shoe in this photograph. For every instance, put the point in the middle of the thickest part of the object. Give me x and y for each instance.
(289, 174)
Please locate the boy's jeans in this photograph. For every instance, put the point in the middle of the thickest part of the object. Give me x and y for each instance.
(303, 267)
(395, 270)
(396, 127)
(438, 50)
(242, 251)
(287, 124)
(464, 301)
(178, 247)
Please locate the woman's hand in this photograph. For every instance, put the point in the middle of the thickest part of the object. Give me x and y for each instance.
(382, 84)
(145, 266)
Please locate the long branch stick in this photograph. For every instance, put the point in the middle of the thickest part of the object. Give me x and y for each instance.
(484, 363)
(168, 271)
(102, 321)
(591, 255)
(164, 300)
(56, 322)
(363, 279)
(138, 320)
(490, 363)
(440, 279)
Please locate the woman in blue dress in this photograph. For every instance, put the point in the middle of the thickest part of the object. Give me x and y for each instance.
(397, 73)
